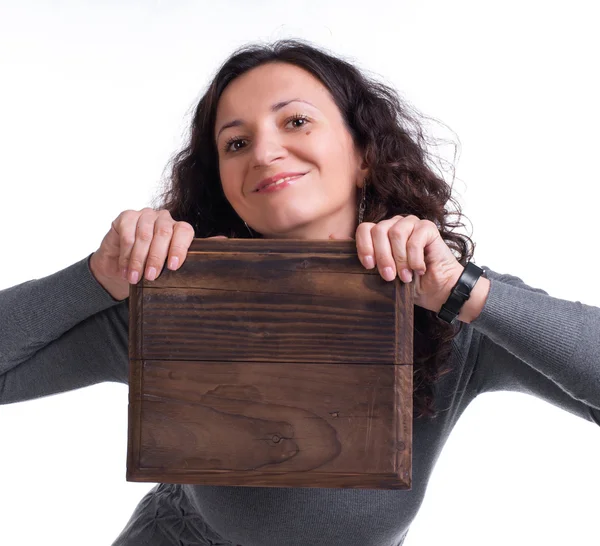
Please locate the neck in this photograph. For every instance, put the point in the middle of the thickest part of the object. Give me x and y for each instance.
(342, 225)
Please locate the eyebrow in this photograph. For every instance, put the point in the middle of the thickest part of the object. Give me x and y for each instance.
(274, 108)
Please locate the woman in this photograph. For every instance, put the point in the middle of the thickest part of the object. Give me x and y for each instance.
(291, 142)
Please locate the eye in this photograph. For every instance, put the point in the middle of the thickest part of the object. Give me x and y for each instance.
(298, 118)
(230, 145)
(233, 144)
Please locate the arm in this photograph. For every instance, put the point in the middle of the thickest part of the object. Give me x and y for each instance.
(533, 343)
(59, 333)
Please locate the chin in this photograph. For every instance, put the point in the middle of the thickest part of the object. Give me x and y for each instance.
(296, 231)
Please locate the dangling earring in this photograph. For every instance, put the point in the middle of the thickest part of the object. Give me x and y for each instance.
(251, 234)
(362, 206)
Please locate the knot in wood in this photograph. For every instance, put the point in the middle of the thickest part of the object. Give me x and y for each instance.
(276, 439)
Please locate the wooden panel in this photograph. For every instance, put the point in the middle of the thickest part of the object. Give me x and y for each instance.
(219, 416)
(271, 364)
(331, 250)
(192, 323)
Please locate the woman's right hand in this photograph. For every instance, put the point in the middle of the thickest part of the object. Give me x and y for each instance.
(139, 243)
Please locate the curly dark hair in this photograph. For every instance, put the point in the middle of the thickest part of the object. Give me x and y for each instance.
(401, 180)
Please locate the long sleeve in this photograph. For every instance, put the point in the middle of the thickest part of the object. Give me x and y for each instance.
(59, 333)
(534, 343)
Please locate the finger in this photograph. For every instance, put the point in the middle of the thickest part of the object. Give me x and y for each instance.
(364, 240)
(125, 226)
(144, 233)
(364, 244)
(159, 246)
(401, 239)
(111, 240)
(383, 251)
(415, 247)
(183, 235)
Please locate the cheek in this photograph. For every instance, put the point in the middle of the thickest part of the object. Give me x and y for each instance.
(323, 148)
(332, 153)
(230, 179)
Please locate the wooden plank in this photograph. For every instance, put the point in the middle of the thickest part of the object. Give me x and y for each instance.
(331, 249)
(205, 421)
(272, 274)
(135, 376)
(191, 323)
(136, 308)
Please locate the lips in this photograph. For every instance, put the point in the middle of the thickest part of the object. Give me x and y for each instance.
(278, 178)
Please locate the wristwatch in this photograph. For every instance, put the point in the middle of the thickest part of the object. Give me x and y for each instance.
(460, 293)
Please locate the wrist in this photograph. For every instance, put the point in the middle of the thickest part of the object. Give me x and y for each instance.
(117, 288)
(473, 306)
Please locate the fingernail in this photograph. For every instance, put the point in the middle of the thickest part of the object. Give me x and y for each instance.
(151, 273)
(388, 274)
(124, 273)
(369, 262)
(406, 275)
(133, 277)
(173, 262)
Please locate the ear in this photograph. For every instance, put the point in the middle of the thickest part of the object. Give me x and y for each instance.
(363, 169)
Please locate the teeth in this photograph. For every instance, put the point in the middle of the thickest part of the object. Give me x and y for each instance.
(281, 181)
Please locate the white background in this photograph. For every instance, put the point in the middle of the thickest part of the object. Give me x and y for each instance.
(95, 99)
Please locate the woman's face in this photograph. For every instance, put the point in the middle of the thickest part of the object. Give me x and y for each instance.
(278, 119)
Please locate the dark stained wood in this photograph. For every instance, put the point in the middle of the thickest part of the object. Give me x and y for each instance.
(135, 376)
(271, 363)
(251, 326)
(334, 249)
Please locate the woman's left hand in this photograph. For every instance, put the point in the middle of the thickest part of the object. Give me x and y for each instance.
(403, 244)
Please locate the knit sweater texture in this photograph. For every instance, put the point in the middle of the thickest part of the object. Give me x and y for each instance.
(65, 331)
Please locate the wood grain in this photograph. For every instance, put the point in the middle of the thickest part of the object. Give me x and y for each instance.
(271, 363)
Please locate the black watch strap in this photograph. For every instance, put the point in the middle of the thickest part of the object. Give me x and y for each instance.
(460, 293)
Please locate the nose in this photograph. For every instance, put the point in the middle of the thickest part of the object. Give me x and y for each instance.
(267, 147)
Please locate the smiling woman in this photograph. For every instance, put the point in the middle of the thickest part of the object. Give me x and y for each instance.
(303, 142)
(292, 142)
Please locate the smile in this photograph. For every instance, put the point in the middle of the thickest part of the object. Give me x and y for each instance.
(280, 184)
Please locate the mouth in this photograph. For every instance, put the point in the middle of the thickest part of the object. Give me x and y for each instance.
(278, 182)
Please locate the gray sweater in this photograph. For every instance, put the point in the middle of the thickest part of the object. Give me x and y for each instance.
(64, 331)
